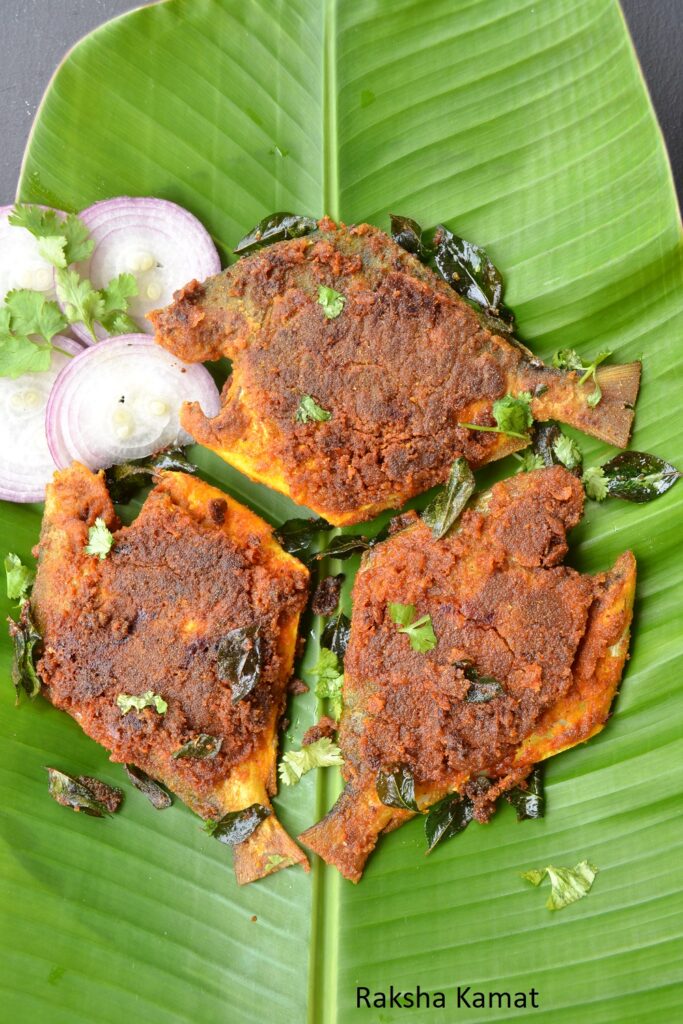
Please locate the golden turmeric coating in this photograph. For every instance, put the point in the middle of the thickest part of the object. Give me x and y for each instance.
(152, 616)
(395, 372)
(501, 604)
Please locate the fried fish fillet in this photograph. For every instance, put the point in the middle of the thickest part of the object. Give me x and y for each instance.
(502, 604)
(395, 372)
(151, 615)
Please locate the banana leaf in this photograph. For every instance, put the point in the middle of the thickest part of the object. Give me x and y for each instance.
(526, 127)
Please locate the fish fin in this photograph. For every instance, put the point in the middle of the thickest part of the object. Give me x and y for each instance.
(348, 834)
(267, 850)
(566, 400)
(619, 383)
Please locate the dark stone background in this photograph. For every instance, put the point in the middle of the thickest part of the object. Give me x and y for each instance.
(37, 33)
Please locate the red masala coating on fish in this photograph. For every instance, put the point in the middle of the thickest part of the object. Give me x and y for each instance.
(399, 369)
(498, 598)
(151, 615)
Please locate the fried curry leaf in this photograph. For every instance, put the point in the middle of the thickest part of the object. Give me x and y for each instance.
(329, 680)
(420, 631)
(332, 302)
(299, 537)
(397, 788)
(638, 476)
(567, 885)
(83, 793)
(128, 477)
(343, 546)
(447, 818)
(240, 660)
(408, 234)
(203, 747)
(156, 794)
(467, 268)
(100, 539)
(296, 763)
(483, 688)
(25, 638)
(529, 803)
(236, 826)
(137, 702)
(309, 411)
(444, 509)
(19, 577)
(335, 635)
(278, 227)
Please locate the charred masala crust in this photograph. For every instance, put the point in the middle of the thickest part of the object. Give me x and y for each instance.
(405, 362)
(151, 615)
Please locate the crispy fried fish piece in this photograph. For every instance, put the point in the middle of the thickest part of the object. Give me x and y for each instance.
(151, 615)
(404, 363)
(500, 603)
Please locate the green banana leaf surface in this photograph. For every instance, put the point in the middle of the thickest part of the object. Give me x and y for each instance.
(525, 126)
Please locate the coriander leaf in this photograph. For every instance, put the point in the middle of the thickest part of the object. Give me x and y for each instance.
(278, 227)
(19, 577)
(240, 660)
(129, 702)
(32, 313)
(330, 680)
(296, 763)
(567, 452)
(276, 860)
(117, 322)
(595, 483)
(19, 355)
(25, 639)
(447, 818)
(81, 302)
(79, 245)
(512, 414)
(236, 826)
(567, 359)
(309, 410)
(567, 885)
(638, 476)
(420, 632)
(100, 539)
(203, 747)
(156, 794)
(332, 302)
(115, 296)
(41, 223)
(529, 803)
(51, 249)
(529, 461)
(83, 793)
(397, 788)
(444, 509)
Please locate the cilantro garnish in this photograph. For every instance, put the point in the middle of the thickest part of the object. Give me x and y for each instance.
(569, 359)
(100, 539)
(330, 680)
(528, 461)
(420, 631)
(296, 763)
(19, 577)
(595, 483)
(568, 452)
(309, 410)
(331, 301)
(512, 414)
(60, 242)
(567, 885)
(129, 702)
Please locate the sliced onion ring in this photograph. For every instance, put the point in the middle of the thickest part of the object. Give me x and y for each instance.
(163, 245)
(121, 399)
(26, 464)
(21, 265)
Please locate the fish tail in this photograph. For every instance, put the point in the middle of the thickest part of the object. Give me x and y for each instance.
(561, 396)
(267, 850)
(348, 834)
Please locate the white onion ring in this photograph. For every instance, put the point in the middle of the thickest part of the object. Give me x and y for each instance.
(26, 464)
(120, 400)
(21, 265)
(134, 233)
